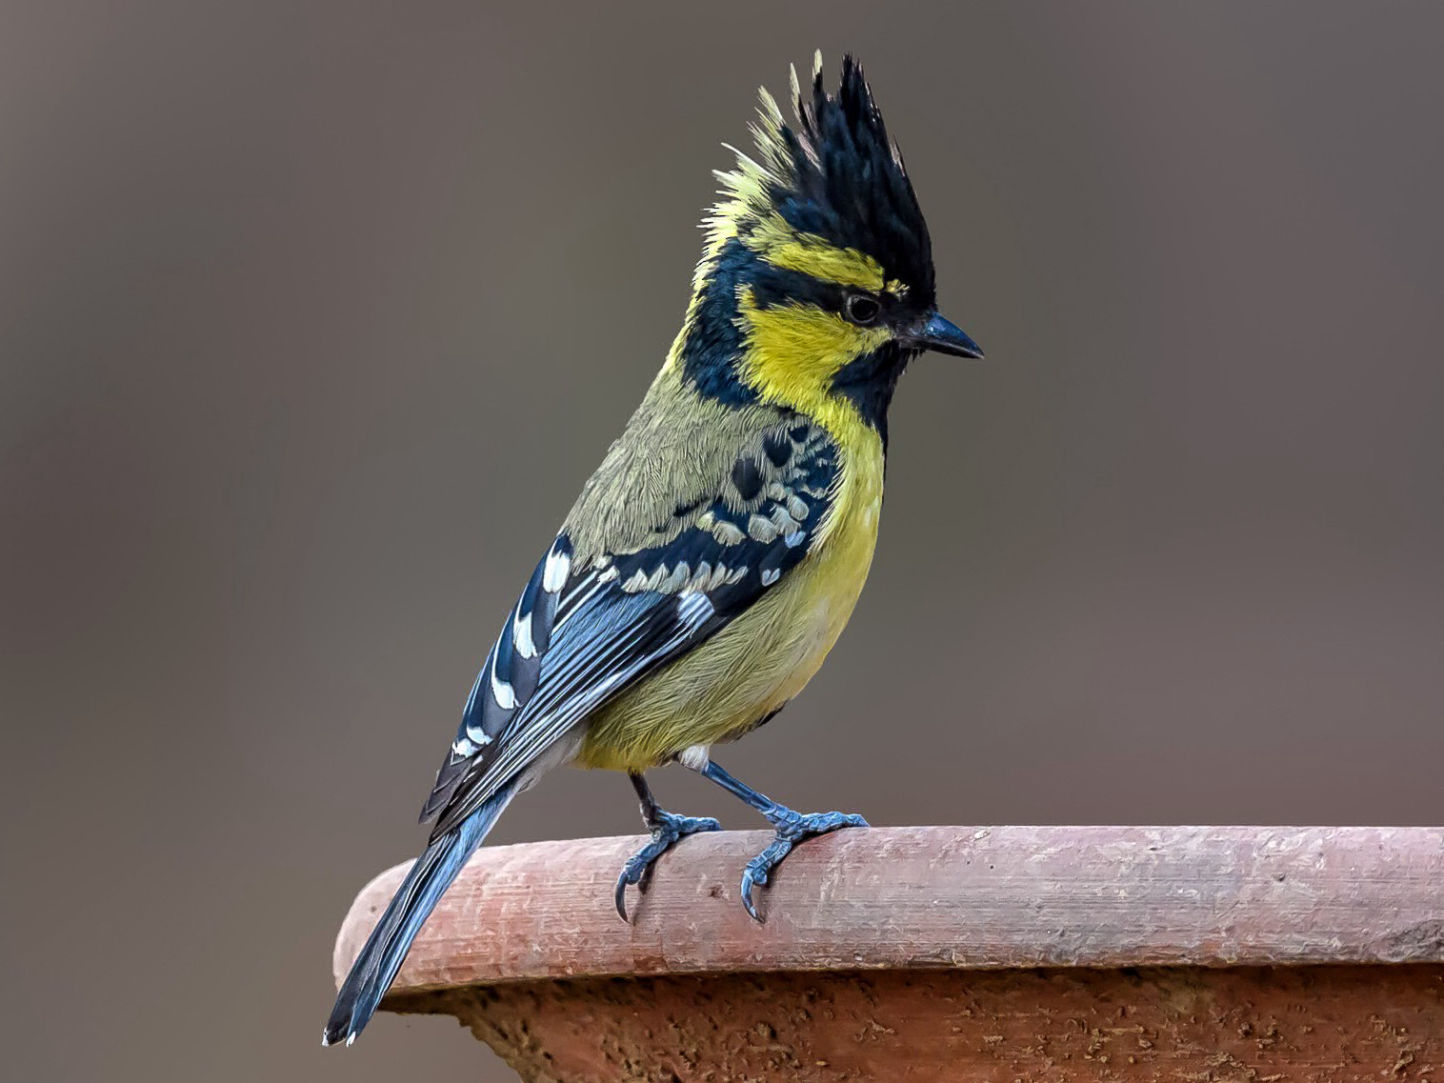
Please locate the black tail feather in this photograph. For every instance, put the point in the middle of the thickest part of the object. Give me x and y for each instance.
(376, 967)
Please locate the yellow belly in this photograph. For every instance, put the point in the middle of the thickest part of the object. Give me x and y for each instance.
(764, 657)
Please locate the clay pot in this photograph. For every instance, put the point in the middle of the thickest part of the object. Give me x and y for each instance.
(949, 953)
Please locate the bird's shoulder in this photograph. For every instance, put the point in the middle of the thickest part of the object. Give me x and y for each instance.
(688, 466)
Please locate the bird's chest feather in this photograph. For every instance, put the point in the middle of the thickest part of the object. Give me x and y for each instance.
(825, 590)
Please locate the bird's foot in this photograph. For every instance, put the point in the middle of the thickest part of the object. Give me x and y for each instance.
(667, 829)
(792, 828)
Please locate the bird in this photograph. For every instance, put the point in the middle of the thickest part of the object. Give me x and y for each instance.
(712, 560)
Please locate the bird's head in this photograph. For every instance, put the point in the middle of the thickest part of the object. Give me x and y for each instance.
(815, 289)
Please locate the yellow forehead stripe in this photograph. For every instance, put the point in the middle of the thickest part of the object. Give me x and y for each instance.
(782, 246)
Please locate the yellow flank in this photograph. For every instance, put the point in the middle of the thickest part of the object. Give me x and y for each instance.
(768, 654)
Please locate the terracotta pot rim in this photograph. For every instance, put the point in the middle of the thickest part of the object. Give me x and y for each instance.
(918, 898)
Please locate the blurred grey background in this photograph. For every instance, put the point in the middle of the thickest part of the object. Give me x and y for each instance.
(315, 318)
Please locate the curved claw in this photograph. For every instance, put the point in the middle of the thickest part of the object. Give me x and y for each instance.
(792, 828)
(755, 873)
(666, 831)
(621, 896)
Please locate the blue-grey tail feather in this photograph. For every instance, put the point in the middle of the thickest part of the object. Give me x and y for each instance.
(376, 967)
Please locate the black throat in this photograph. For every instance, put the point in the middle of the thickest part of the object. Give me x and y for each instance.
(869, 382)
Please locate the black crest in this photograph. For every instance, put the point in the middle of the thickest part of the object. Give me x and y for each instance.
(834, 173)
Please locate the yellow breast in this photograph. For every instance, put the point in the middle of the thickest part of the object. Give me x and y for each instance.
(769, 653)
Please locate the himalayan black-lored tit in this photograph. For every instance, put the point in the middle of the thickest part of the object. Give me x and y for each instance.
(714, 557)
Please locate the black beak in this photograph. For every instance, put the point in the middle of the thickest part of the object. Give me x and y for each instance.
(944, 336)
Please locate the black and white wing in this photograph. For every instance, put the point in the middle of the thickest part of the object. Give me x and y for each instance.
(589, 625)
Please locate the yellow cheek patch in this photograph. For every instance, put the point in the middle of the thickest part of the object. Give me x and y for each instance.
(793, 351)
(782, 246)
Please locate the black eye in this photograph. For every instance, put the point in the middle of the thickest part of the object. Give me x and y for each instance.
(862, 309)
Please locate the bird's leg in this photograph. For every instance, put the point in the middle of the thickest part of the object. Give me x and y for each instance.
(792, 828)
(666, 828)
